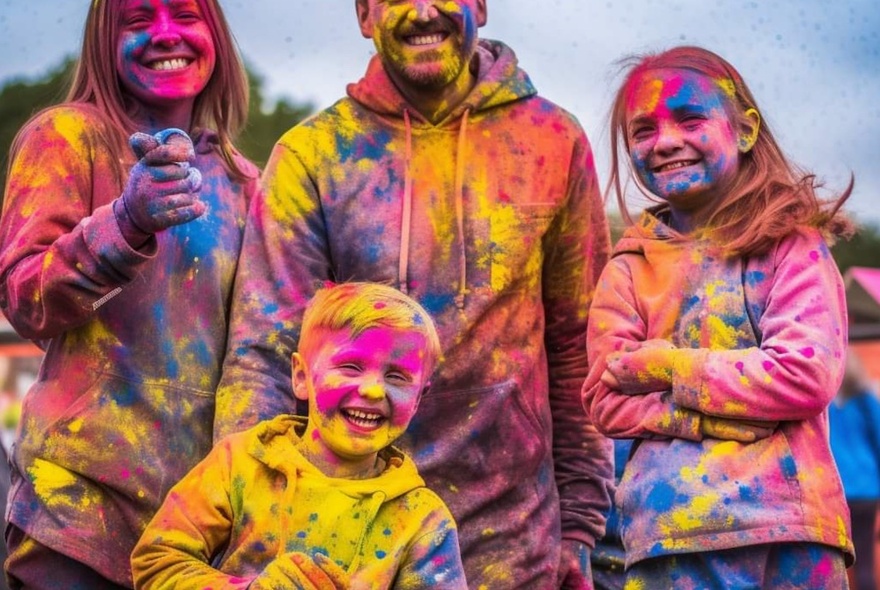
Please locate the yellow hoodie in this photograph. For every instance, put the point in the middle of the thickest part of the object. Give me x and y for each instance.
(255, 497)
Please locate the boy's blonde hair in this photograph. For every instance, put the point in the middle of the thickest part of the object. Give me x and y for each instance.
(360, 306)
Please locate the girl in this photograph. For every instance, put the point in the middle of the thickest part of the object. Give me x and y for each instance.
(120, 266)
(717, 337)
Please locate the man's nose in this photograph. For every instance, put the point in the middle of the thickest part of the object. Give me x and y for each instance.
(423, 11)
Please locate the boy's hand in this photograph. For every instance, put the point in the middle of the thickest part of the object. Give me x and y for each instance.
(645, 369)
(298, 571)
(162, 189)
(744, 431)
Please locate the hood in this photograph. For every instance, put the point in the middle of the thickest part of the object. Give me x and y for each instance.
(651, 233)
(499, 81)
(273, 443)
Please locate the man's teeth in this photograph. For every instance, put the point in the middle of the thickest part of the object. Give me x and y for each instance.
(425, 39)
(169, 64)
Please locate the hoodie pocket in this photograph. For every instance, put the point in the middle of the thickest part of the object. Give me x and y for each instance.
(136, 438)
(487, 434)
(515, 235)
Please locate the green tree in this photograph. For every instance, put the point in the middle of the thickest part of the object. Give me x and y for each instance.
(20, 99)
(862, 250)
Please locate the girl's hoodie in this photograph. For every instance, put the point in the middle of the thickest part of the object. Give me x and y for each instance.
(134, 339)
(493, 220)
(255, 497)
(760, 338)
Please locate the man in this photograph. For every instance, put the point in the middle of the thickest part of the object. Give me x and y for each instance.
(444, 173)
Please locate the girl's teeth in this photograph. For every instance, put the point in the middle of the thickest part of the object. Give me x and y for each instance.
(169, 64)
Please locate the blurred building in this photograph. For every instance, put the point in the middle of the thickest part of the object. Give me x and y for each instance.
(863, 303)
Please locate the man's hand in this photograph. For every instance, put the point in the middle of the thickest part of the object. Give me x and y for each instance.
(298, 571)
(744, 431)
(162, 189)
(575, 572)
(644, 369)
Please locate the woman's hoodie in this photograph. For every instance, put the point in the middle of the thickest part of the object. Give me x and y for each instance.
(134, 339)
(758, 338)
(255, 497)
(493, 220)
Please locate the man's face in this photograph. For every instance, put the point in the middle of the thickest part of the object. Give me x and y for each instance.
(424, 44)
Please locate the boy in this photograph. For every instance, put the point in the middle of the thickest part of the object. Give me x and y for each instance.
(322, 501)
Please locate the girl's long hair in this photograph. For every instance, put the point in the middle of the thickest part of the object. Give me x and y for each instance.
(222, 105)
(770, 196)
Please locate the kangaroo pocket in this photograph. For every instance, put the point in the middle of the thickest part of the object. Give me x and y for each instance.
(488, 435)
(118, 438)
(677, 495)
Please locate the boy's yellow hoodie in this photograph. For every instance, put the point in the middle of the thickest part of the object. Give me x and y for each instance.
(255, 497)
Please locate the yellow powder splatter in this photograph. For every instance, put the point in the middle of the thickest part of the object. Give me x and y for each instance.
(49, 480)
(727, 86)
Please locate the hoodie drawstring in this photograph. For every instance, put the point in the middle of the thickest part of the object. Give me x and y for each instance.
(406, 214)
(372, 509)
(459, 211)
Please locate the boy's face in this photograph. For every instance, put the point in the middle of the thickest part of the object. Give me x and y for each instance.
(362, 393)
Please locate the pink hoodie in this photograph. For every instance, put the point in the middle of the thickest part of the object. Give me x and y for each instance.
(761, 338)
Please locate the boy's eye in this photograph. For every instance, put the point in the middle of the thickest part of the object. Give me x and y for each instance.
(398, 377)
(350, 367)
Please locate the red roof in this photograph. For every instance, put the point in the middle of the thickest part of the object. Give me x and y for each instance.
(868, 278)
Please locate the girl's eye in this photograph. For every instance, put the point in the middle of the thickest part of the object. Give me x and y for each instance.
(136, 20)
(641, 133)
(692, 122)
(188, 16)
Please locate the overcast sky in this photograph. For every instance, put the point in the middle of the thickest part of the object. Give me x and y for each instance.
(814, 65)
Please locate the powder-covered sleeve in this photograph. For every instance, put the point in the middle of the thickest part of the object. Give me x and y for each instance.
(796, 371)
(192, 525)
(434, 558)
(616, 325)
(61, 250)
(284, 259)
(576, 249)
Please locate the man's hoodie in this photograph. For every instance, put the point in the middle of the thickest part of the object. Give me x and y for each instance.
(757, 338)
(493, 220)
(256, 497)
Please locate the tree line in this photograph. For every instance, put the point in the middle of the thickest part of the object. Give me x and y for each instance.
(20, 98)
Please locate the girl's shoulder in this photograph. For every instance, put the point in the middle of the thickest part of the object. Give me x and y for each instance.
(75, 123)
(801, 239)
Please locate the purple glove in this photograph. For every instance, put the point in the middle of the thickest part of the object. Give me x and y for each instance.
(162, 189)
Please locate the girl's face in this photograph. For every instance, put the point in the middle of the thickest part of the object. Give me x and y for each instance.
(684, 146)
(165, 53)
